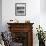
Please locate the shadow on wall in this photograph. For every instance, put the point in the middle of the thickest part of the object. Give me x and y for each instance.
(0, 15)
(43, 6)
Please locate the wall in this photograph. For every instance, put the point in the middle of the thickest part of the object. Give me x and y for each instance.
(43, 14)
(43, 6)
(0, 15)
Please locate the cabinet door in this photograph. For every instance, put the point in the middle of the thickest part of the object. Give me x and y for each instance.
(20, 37)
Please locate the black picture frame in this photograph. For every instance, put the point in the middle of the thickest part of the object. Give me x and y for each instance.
(20, 9)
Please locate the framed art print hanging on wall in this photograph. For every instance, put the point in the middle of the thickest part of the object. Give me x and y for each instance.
(20, 9)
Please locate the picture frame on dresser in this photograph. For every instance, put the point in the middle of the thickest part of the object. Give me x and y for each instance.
(20, 9)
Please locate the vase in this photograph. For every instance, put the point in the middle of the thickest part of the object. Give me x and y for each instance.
(41, 43)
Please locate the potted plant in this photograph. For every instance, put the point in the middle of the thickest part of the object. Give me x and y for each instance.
(41, 36)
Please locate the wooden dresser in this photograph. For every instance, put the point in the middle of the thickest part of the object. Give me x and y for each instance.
(22, 33)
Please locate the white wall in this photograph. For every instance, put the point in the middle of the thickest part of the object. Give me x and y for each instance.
(43, 14)
(0, 15)
(43, 6)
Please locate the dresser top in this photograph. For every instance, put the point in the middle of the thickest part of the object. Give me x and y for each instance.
(19, 23)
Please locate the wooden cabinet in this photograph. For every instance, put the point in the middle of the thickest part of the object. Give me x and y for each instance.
(22, 33)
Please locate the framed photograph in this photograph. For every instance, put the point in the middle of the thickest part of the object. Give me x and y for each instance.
(20, 9)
